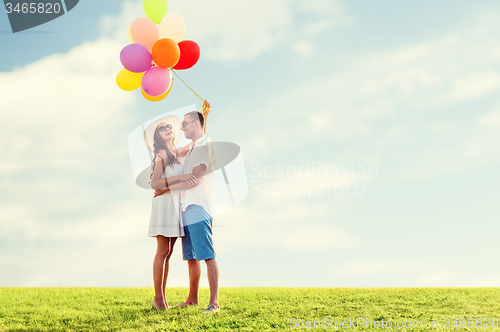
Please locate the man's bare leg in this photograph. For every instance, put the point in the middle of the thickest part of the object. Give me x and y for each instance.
(213, 281)
(194, 281)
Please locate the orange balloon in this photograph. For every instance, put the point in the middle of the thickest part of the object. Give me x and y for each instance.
(159, 98)
(166, 53)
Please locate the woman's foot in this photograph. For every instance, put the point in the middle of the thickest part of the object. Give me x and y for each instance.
(159, 305)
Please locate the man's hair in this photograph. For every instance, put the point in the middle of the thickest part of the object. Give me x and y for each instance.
(195, 115)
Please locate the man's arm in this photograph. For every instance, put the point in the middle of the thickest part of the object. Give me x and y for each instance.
(163, 183)
(198, 172)
(161, 186)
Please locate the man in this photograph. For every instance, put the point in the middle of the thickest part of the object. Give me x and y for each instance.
(197, 243)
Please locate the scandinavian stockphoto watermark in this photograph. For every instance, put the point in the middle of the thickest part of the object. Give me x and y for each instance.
(365, 323)
(26, 14)
(310, 179)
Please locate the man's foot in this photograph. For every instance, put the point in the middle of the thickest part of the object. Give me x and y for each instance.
(211, 309)
(186, 304)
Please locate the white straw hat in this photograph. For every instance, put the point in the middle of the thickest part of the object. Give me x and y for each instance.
(150, 130)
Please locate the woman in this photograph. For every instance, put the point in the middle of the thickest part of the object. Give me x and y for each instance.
(165, 222)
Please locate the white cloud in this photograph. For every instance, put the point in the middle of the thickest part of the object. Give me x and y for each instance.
(237, 31)
(304, 48)
(483, 145)
(116, 26)
(64, 123)
(66, 116)
(492, 280)
(377, 266)
(327, 14)
(119, 224)
(490, 121)
(59, 136)
(321, 121)
(299, 226)
(388, 98)
(62, 109)
(318, 236)
(110, 249)
(436, 279)
(472, 85)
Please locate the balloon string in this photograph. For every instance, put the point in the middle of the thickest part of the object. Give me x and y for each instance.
(187, 85)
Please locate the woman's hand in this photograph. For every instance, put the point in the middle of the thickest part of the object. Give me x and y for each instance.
(159, 192)
(189, 178)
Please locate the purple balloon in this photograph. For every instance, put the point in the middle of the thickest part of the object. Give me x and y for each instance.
(156, 81)
(136, 58)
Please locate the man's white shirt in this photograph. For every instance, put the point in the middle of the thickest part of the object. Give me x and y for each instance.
(200, 153)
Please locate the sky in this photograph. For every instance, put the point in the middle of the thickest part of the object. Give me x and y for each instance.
(369, 133)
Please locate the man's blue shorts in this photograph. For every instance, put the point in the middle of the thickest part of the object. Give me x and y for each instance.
(197, 241)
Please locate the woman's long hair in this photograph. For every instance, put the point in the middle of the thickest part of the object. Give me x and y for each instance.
(159, 144)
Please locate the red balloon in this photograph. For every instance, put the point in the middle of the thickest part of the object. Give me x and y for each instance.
(190, 54)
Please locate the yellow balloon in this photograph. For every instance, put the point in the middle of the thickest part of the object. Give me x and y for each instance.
(128, 81)
(159, 98)
(155, 9)
(129, 34)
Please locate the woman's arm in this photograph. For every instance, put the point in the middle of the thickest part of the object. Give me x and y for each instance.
(158, 172)
(157, 182)
(163, 183)
(198, 173)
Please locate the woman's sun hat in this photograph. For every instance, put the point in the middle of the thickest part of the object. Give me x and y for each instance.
(149, 133)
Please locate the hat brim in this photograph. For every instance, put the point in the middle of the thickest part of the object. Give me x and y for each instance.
(150, 130)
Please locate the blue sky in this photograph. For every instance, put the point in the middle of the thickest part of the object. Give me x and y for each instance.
(408, 88)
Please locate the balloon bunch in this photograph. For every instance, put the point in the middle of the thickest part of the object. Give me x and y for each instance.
(148, 61)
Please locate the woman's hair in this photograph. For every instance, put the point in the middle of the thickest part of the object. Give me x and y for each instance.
(159, 144)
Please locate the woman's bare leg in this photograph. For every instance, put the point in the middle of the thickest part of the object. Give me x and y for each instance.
(165, 271)
(162, 251)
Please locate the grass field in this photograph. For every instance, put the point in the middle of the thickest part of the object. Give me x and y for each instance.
(245, 309)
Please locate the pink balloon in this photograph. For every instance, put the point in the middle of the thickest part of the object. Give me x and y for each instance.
(145, 32)
(136, 58)
(156, 81)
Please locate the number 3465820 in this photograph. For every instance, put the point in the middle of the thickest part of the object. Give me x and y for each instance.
(33, 8)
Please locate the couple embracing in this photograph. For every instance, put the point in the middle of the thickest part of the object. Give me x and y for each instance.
(181, 205)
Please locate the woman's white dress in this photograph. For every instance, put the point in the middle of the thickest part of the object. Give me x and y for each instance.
(166, 216)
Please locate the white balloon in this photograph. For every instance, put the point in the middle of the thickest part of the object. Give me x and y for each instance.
(173, 26)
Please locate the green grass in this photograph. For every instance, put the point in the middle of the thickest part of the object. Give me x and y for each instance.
(242, 309)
